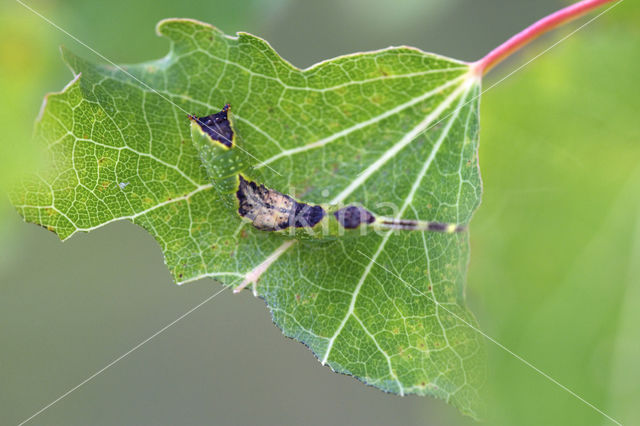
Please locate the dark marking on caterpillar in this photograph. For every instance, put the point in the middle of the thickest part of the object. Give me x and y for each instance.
(217, 126)
(430, 226)
(351, 217)
(270, 210)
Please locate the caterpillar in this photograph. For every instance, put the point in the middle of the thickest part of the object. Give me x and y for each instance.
(230, 168)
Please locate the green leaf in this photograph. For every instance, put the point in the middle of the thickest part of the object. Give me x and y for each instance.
(396, 127)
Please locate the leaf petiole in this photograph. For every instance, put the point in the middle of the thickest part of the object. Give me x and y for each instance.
(535, 30)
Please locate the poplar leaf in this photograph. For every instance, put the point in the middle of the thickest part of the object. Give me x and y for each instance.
(395, 130)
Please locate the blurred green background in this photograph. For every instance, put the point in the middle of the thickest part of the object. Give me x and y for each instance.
(555, 265)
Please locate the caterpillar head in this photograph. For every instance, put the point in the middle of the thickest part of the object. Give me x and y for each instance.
(218, 128)
(215, 139)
